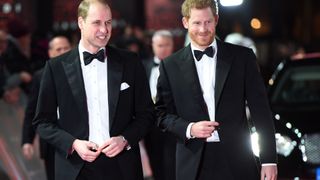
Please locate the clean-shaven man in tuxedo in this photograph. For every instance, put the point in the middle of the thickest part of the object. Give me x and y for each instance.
(103, 102)
(202, 94)
(160, 145)
(56, 47)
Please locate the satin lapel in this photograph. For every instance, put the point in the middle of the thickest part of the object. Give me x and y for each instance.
(115, 69)
(72, 68)
(189, 71)
(224, 61)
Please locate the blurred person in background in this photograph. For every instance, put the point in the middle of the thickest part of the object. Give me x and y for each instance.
(10, 82)
(237, 37)
(18, 57)
(160, 145)
(201, 98)
(57, 46)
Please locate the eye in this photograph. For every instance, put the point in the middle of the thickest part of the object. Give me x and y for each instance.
(109, 22)
(96, 22)
(196, 23)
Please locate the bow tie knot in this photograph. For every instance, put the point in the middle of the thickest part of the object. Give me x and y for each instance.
(88, 57)
(208, 51)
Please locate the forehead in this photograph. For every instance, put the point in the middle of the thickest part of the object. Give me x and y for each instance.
(162, 39)
(203, 13)
(98, 10)
(60, 42)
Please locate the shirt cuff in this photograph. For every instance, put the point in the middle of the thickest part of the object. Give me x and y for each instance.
(188, 132)
(269, 164)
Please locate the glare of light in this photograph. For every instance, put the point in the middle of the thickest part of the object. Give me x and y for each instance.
(289, 125)
(277, 116)
(18, 7)
(255, 144)
(299, 135)
(255, 23)
(271, 81)
(64, 25)
(231, 2)
(6, 8)
(284, 145)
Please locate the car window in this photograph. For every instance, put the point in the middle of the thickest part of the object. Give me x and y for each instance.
(298, 85)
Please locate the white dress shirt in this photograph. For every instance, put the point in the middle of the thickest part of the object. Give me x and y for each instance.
(154, 75)
(95, 78)
(206, 70)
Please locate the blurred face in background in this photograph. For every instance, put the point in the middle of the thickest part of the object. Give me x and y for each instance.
(96, 26)
(201, 26)
(58, 46)
(162, 46)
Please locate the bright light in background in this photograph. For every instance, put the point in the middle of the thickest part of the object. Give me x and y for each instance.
(255, 23)
(231, 2)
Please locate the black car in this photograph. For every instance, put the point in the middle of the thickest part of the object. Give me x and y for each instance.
(294, 93)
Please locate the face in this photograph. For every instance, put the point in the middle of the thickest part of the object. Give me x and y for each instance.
(201, 26)
(162, 47)
(96, 27)
(58, 46)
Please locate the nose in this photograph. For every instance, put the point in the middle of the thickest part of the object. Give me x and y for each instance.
(104, 28)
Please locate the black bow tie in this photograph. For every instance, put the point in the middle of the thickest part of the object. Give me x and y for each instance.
(208, 51)
(88, 57)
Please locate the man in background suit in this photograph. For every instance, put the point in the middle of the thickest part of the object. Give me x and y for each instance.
(103, 100)
(202, 94)
(160, 145)
(57, 45)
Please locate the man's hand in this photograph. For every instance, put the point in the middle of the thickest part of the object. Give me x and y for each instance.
(88, 151)
(269, 172)
(203, 129)
(27, 150)
(113, 146)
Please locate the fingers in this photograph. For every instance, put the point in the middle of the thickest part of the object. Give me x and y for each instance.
(114, 146)
(93, 146)
(27, 151)
(86, 150)
(203, 129)
(112, 150)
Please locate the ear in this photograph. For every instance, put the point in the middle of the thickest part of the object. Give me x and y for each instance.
(80, 22)
(216, 18)
(185, 22)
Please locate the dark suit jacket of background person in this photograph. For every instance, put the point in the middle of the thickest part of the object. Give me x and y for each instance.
(180, 101)
(160, 146)
(28, 131)
(130, 110)
(2, 78)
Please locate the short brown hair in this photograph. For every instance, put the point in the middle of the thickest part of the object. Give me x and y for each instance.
(198, 4)
(84, 7)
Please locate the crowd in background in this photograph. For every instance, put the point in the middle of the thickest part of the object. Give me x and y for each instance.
(21, 55)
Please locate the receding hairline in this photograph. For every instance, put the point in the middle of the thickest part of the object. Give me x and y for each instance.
(163, 34)
(85, 5)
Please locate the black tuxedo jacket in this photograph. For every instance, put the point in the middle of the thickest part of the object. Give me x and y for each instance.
(130, 110)
(180, 101)
(28, 132)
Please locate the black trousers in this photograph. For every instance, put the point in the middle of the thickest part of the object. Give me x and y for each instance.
(49, 163)
(213, 164)
(103, 168)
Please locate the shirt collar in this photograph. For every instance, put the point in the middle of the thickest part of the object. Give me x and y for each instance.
(83, 49)
(213, 44)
